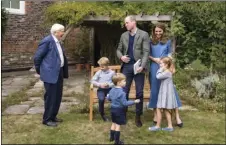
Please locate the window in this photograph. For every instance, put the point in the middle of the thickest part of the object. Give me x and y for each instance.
(14, 6)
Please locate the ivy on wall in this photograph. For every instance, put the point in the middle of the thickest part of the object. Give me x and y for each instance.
(4, 19)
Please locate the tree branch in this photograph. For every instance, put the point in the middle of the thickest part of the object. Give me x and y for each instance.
(68, 30)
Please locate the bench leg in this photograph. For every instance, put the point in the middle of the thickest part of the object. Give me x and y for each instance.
(91, 106)
(91, 111)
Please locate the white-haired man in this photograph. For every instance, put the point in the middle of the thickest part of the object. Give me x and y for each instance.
(51, 64)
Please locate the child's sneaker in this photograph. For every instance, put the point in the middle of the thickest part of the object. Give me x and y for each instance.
(154, 128)
(167, 129)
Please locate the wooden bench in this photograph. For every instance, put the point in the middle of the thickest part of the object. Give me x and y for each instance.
(132, 95)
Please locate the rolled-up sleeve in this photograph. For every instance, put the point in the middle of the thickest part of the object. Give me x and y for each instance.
(95, 79)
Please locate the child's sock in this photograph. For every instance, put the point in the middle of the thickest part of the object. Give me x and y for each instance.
(112, 135)
(117, 138)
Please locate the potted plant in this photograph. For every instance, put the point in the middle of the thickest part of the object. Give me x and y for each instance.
(82, 48)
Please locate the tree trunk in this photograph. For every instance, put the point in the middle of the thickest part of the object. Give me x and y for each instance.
(68, 30)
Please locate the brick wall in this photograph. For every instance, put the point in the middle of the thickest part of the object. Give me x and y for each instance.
(23, 33)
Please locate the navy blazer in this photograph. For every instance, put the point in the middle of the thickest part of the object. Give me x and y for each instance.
(47, 61)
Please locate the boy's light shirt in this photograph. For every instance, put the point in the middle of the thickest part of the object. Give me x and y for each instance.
(97, 82)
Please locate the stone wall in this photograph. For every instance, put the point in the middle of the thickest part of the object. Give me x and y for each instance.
(14, 61)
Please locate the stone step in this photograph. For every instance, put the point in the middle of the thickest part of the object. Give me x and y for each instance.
(16, 109)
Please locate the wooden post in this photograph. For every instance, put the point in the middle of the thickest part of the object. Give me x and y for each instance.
(91, 98)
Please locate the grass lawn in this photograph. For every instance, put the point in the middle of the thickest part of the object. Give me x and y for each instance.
(199, 128)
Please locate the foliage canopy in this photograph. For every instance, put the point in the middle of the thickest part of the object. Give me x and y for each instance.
(199, 27)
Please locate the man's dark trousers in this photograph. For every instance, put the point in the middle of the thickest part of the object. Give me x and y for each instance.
(52, 98)
(127, 70)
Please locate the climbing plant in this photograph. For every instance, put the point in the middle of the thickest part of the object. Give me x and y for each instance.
(74, 12)
(4, 19)
(199, 27)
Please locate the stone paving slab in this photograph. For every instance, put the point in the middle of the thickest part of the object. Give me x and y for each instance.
(39, 84)
(7, 82)
(4, 94)
(35, 98)
(79, 89)
(69, 99)
(21, 82)
(16, 109)
(36, 110)
(67, 91)
(27, 103)
(72, 103)
(32, 91)
(73, 81)
(38, 87)
(11, 89)
(18, 79)
(39, 103)
(14, 84)
(64, 107)
(15, 81)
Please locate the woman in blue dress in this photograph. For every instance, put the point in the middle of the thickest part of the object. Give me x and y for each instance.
(160, 47)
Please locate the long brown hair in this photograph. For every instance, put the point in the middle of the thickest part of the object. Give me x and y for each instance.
(169, 64)
(164, 37)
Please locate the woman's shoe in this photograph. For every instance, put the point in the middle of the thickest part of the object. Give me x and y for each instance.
(167, 129)
(154, 128)
(180, 125)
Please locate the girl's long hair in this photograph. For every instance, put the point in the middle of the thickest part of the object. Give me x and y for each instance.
(164, 38)
(169, 63)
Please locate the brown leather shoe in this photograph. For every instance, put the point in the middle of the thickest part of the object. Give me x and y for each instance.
(138, 121)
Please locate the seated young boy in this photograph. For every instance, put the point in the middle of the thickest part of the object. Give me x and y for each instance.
(103, 80)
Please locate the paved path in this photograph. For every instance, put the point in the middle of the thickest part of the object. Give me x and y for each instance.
(35, 105)
(13, 82)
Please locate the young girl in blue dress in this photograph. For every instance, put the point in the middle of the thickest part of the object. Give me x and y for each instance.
(167, 97)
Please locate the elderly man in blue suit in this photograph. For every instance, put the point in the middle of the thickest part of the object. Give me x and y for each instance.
(51, 64)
